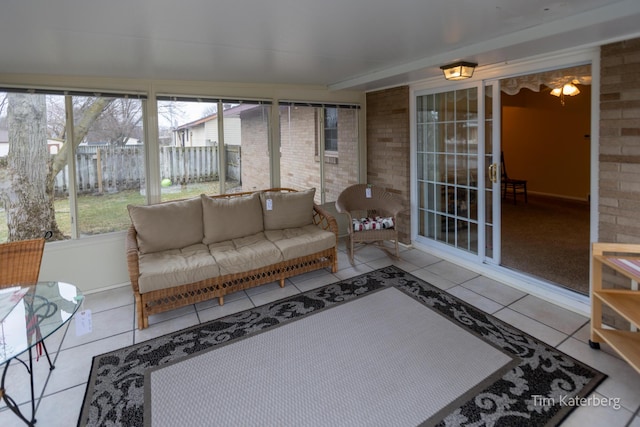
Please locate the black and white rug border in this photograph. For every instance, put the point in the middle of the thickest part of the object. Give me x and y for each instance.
(117, 378)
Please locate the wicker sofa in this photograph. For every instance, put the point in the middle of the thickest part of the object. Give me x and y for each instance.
(191, 250)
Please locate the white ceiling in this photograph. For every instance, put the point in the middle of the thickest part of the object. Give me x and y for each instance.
(342, 44)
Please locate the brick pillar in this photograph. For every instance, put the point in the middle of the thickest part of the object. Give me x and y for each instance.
(619, 186)
(388, 148)
(619, 153)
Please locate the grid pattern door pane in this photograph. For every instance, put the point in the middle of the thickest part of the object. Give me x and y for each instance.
(447, 158)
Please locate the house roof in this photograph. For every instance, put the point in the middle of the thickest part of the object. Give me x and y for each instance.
(355, 44)
(228, 112)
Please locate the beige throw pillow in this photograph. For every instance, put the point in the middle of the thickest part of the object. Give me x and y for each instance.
(169, 225)
(287, 210)
(231, 218)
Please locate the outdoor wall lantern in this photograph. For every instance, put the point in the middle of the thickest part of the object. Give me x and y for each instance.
(458, 70)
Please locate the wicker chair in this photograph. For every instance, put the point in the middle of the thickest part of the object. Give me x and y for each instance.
(20, 265)
(368, 201)
(20, 262)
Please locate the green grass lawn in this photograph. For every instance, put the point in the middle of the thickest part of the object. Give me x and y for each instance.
(105, 213)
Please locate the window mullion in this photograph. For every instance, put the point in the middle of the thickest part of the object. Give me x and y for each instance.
(321, 143)
(222, 158)
(151, 151)
(71, 164)
(274, 144)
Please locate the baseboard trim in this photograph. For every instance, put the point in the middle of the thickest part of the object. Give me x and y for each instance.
(107, 288)
(559, 197)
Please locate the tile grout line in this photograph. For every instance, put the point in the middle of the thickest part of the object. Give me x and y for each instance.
(133, 328)
(542, 323)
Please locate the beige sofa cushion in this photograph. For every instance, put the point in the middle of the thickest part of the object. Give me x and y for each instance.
(166, 269)
(245, 254)
(287, 210)
(169, 225)
(227, 219)
(303, 241)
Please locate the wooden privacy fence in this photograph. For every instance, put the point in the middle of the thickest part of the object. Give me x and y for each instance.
(192, 164)
(112, 169)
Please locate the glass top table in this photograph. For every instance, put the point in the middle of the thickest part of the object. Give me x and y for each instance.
(28, 315)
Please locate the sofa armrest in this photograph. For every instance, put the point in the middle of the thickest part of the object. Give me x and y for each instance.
(323, 219)
(131, 249)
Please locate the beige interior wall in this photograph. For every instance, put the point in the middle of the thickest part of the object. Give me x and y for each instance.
(548, 144)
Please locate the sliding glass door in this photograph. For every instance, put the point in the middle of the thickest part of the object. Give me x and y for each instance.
(454, 180)
(460, 132)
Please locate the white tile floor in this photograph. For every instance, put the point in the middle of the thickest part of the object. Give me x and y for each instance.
(60, 392)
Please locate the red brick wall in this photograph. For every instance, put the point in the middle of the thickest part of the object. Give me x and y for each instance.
(388, 147)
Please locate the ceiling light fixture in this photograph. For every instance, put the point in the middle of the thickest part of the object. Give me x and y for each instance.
(568, 89)
(458, 70)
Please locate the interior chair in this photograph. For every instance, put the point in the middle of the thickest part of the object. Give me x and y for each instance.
(20, 266)
(372, 217)
(515, 186)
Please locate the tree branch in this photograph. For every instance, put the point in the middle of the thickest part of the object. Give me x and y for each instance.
(80, 129)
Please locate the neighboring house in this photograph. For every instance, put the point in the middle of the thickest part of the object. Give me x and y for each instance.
(53, 143)
(204, 131)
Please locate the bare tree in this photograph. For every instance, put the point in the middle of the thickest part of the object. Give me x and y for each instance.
(3, 104)
(90, 113)
(27, 191)
(56, 117)
(120, 121)
(28, 202)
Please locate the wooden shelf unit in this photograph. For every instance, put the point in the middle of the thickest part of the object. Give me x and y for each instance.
(625, 259)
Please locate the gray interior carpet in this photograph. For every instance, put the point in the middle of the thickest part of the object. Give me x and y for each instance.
(505, 391)
(548, 238)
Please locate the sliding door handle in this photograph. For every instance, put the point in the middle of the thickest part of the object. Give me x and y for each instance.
(493, 172)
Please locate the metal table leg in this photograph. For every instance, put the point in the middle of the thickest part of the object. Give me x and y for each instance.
(11, 404)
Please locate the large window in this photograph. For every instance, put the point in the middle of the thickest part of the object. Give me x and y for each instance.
(319, 147)
(71, 162)
(212, 146)
(71, 178)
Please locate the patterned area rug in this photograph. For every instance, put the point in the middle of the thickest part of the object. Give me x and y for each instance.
(537, 391)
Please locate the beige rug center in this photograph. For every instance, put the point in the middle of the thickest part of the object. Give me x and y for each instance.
(383, 359)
